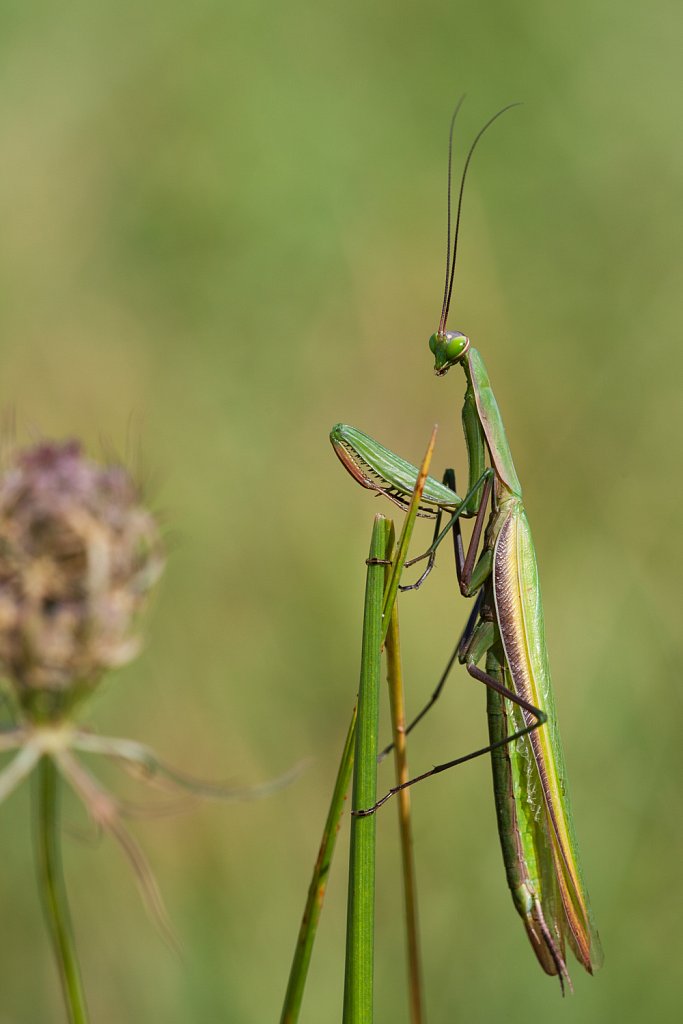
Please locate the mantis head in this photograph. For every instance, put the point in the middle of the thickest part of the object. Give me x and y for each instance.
(448, 348)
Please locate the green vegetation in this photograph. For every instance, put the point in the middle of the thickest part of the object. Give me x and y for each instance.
(222, 232)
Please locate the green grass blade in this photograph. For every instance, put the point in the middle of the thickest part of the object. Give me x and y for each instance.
(358, 987)
(358, 983)
(53, 890)
(316, 891)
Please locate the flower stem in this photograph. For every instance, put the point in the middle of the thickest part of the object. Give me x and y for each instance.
(53, 891)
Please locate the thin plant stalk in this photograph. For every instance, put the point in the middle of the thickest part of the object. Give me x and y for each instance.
(391, 590)
(316, 890)
(53, 890)
(358, 980)
(360, 925)
(398, 725)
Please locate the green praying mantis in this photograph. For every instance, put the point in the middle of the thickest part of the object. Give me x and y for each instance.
(505, 630)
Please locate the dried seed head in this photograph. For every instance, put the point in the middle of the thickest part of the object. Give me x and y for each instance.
(78, 556)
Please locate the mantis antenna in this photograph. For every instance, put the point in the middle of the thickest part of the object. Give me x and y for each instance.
(450, 261)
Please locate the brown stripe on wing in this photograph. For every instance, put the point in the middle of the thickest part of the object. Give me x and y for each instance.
(513, 634)
(509, 611)
(513, 630)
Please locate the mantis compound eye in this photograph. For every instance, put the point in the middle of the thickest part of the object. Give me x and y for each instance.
(447, 349)
(455, 345)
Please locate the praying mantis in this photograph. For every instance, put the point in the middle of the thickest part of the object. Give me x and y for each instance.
(506, 630)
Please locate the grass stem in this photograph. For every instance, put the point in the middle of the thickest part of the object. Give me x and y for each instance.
(398, 724)
(360, 922)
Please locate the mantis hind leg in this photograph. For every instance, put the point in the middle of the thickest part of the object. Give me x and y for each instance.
(463, 641)
(483, 637)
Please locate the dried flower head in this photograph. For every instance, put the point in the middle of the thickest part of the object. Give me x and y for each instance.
(78, 556)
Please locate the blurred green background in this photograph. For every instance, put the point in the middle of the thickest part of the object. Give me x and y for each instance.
(222, 231)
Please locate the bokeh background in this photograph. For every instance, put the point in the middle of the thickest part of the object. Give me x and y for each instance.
(222, 231)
